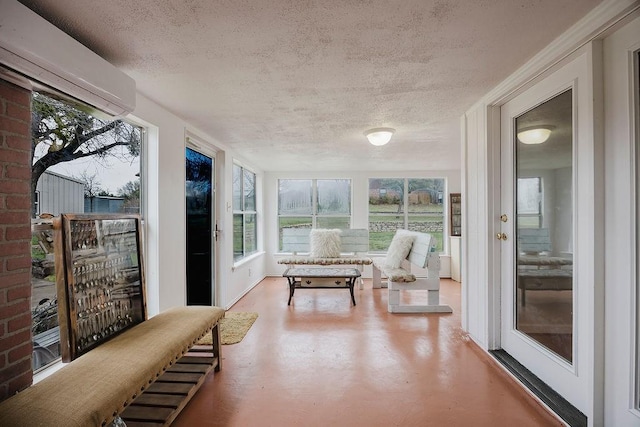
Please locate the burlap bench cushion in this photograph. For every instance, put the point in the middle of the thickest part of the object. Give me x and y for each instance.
(93, 389)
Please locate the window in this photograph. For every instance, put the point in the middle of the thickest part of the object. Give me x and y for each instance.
(410, 203)
(530, 202)
(83, 161)
(245, 233)
(313, 203)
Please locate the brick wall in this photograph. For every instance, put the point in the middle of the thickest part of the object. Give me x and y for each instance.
(15, 237)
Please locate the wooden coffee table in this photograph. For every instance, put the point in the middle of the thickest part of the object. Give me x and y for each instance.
(321, 278)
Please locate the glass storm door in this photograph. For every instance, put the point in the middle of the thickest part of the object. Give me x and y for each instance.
(199, 193)
(544, 204)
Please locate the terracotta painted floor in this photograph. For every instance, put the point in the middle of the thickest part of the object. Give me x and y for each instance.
(323, 362)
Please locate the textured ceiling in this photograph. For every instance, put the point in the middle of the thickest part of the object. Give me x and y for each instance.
(293, 84)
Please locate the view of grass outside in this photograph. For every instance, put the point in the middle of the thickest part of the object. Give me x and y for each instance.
(412, 204)
(245, 233)
(309, 203)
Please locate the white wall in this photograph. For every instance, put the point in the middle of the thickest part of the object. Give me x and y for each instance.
(621, 213)
(165, 212)
(360, 205)
(609, 395)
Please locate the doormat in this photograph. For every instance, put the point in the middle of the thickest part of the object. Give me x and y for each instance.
(233, 327)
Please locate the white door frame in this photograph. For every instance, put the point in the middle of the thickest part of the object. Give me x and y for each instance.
(198, 144)
(577, 382)
(622, 251)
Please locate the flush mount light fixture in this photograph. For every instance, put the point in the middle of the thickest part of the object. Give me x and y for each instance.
(379, 136)
(534, 135)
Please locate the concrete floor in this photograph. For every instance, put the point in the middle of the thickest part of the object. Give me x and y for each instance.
(323, 362)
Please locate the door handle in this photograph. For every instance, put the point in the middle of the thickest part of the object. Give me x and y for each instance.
(501, 236)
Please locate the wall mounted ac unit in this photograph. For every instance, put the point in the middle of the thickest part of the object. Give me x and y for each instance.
(32, 46)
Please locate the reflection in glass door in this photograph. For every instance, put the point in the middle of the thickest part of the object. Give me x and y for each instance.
(199, 216)
(543, 296)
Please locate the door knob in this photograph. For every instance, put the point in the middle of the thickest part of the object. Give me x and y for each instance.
(501, 236)
(504, 218)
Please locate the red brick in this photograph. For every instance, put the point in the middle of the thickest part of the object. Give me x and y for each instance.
(3, 202)
(19, 142)
(18, 263)
(8, 280)
(19, 218)
(18, 172)
(21, 380)
(14, 126)
(18, 202)
(10, 341)
(3, 360)
(20, 322)
(11, 310)
(19, 292)
(19, 112)
(15, 187)
(14, 248)
(18, 233)
(1, 233)
(4, 392)
(16, 156)
(20, 352)
(3, 300)
(14, 93)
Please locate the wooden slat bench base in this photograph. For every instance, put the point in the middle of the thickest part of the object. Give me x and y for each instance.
(163, 400)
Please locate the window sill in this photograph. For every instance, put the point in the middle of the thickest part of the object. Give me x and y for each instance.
(247, 259)
(49, 370)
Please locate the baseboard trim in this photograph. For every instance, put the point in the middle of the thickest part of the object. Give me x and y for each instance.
(558, 404)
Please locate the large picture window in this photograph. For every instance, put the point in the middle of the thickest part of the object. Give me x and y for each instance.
(530, 202)
(313, 203)
(245, 233)
(411, 203)
(83, 161)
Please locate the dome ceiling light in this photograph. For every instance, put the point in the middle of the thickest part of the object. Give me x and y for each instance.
(534, 135)
(379, 136)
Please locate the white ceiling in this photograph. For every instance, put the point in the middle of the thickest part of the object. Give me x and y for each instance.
(293, 84)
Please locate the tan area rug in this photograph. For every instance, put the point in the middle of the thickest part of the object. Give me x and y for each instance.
(233, 327)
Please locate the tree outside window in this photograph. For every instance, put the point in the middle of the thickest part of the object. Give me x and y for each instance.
(82, 161)
(409, 203)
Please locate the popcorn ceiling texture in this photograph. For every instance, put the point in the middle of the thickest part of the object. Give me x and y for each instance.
(289, 84)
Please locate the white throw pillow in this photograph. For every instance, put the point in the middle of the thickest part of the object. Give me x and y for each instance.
(324, 243)
(399, 248)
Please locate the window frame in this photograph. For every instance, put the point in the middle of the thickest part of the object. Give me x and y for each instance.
(243, 212)
(314, 216)
(540, 213)
(405, 213)
(42, 225)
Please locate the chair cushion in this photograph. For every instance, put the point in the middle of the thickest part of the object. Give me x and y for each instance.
(324, 243)
(399, 248)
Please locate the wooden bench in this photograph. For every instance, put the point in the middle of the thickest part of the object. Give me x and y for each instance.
(354, 245)
(143, 375)
(422, 255)
(122, 365)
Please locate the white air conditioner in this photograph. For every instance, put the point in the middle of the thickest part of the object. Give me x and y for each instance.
(37, 49)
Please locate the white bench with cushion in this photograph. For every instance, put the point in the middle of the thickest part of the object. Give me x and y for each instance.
(326, 247)
(406, 249)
